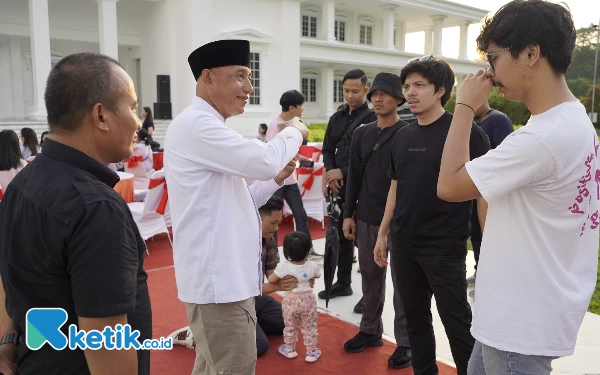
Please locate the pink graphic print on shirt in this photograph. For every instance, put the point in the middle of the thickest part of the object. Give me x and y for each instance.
(578, 207)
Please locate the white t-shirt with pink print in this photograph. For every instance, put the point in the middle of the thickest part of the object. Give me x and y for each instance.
(538, 263)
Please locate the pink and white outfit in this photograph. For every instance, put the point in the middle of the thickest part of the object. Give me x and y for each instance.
(300, 309)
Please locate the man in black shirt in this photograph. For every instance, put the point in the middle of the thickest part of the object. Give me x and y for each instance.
(336, 157)
(429, 236)
(67, 239)
(368, 184)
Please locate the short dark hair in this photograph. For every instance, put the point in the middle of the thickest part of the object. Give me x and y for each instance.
(10, 151)
(356, 74)
(296, 246)
(291, 98)
(273, 204)
(75, 84)
(264, 127)
(521, 23)
(436, 71)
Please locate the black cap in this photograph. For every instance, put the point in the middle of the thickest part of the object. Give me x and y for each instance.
(388, 82)
(220, 53)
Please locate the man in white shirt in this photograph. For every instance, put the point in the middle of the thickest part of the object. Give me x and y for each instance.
(217, 229)
(538, 262)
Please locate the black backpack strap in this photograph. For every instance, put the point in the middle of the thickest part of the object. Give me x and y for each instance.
(355, 124)
(377, 146)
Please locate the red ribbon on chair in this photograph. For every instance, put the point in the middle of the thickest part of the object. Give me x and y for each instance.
(133, 161)
(162, 205)
(307, 185)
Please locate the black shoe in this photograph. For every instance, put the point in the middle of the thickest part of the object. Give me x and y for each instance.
(337, 290)
(401, 358)
(359, 307)
(361, 341)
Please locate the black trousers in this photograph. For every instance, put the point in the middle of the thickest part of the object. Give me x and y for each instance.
(269, 318)
(293, 197)
(345, 255)
(421, 274)
(476, 234)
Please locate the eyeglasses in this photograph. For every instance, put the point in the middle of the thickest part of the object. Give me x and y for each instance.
(424, 58)
(489, 55)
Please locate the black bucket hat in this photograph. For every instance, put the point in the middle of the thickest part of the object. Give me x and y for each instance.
(388, 82)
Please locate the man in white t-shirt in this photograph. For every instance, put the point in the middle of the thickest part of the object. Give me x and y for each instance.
(534, 285)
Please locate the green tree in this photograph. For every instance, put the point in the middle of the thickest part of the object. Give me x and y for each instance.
(579, 86)
(587, 101)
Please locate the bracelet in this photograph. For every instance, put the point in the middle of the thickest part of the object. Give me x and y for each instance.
(467, 106)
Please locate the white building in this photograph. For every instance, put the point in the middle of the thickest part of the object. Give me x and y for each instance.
(296, 44)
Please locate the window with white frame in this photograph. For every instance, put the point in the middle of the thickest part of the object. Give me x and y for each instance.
(309, 26)
(366, 34)
(338, 91)
(255, 68)
(309, 89)
(340, 30)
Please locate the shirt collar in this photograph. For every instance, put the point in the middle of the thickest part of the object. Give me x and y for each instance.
(69, 155)
(357, 109)
(203, 105)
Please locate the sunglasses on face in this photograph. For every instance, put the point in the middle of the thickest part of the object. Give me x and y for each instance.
(423, 58)
(490, 54)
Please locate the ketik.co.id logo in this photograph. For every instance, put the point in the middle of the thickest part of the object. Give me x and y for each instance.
(44, 324)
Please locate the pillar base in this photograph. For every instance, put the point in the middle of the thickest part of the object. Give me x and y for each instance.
(39, 115)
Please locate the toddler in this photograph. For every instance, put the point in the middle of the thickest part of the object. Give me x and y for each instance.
(299, 305)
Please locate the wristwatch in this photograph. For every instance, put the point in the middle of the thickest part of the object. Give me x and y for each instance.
(11, 338)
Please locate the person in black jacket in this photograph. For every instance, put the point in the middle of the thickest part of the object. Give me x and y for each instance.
(336, 157)
(366, 194)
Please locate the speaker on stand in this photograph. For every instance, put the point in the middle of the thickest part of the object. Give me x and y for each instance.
(162, 109)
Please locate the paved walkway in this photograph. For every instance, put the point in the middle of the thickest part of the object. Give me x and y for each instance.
(586, 359)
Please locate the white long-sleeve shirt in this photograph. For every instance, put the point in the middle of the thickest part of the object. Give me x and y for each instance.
(216, 225)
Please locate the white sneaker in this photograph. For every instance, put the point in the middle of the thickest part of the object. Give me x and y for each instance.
(287, 352)
(313, 355)
(184, 337)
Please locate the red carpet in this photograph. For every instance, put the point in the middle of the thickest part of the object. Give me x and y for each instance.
(168, 314)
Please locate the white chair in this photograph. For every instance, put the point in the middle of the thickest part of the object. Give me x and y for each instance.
(139, 173)
(313, 198)
(149, 222)
(167, 216)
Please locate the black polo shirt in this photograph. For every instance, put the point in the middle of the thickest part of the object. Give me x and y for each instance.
(421, 220)
(336, 154)
(68, 240)
(368, 181)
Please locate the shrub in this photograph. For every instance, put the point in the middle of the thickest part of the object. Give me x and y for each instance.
(316, 132)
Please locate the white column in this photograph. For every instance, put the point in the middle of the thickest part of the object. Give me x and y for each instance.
(17, 78)
(401, 36)
(438, 26)
(328, 20)
(355, 29)
(464, 37)
(428, 41)
(107, 23)
(289, 27)
(389, 20)
(326, 91)
(39, 26)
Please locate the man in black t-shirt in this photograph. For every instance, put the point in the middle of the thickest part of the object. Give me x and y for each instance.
(429, 236)
(366, 194)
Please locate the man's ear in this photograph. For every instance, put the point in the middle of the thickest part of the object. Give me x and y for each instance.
(100, 117)
(207, 76)
(533, 54)
(366, 89)
(441, 92)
